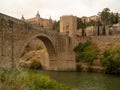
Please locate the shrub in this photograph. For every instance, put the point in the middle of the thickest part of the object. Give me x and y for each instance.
(28, 80)
(11, 80)
(35, 64)
(78, 67)
(81, 46)
(40, 82)
(111, 59)
(86, 52)
(90, 54)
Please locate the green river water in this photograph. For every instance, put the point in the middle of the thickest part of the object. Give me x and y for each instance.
(85, 80)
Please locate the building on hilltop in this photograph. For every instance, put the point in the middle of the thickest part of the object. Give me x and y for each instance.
(22, 18)
(68, 25)
(40, 22)
(88, 19)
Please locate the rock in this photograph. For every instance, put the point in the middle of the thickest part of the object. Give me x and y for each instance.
(32, 59)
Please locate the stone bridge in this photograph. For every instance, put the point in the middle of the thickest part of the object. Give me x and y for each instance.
(16, 34)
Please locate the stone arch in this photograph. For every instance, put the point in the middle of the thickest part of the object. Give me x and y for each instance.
(52, 54)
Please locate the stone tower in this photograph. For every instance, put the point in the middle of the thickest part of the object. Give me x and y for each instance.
(68, 24)
(37, 17)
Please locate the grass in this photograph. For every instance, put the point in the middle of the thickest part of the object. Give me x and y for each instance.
(28, 80)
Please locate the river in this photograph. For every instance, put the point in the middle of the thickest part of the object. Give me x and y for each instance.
(85, 80)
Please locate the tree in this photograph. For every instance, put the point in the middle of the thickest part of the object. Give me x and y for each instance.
(98, 24)
(116, 18)
(111, 59)
(56, 26)
(79, 23)
(105, 15)
(112, 18)
(105, 18)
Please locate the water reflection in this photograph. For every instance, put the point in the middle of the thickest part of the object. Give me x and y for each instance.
(86, 81)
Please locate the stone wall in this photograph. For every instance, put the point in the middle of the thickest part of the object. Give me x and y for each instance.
(110, 38)
(16, 34)
(66, 56)
(14, 37)
(68, 24)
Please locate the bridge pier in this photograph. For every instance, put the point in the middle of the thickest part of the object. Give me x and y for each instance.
(66, 56)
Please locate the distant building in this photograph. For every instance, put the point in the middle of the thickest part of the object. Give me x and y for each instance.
(41, 22)
(88, 19)
(22, 18)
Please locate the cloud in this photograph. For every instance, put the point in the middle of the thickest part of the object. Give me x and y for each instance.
(56, 8)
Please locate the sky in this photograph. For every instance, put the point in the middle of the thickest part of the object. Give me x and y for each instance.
(56, 8)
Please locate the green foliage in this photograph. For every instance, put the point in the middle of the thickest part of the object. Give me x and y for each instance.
(111, 59)
(108, 17)
(40, 82)
(11, 80)
(114, 18)
(28, 80)
(91, 23)
(81, 46)
(105, 15)
(104, 33)
(78, 67)
(83, 25)
(79, 23)
(90, 69)
(86, 52)
(56, 26)
(35, 64)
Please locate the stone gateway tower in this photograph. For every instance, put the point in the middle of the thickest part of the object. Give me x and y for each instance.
(68, 24)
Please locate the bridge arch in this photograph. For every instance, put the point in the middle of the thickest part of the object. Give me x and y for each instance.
(49, 44)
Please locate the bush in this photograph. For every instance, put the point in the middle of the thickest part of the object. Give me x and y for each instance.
(35, 64)
(111, 60)
(81, 47)
(40, 82)
(86, 52)
(11, 80)
(28, 80)
(78, 67)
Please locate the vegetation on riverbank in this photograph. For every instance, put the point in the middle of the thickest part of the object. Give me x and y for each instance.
(111, 59)
(28, 80)
(85, 53)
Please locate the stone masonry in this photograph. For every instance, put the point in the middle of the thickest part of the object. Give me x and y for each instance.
(16, 34)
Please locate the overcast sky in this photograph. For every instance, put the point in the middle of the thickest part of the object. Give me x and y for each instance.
(56, 8)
